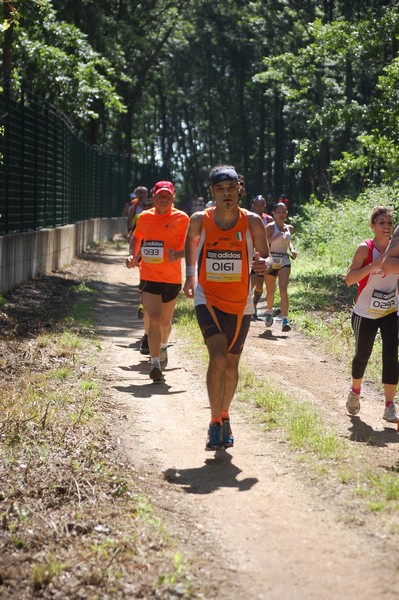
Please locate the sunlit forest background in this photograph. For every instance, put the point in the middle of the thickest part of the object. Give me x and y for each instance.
(301, 96)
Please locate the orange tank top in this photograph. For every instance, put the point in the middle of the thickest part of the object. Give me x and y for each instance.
(223, 263)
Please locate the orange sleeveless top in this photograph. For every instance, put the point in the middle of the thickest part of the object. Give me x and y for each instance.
(223, 263)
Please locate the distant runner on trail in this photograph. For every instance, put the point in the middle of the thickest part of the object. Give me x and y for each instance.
(221, 240)
(157, 248)
(375, 309)
(258, 206)
(279, 235)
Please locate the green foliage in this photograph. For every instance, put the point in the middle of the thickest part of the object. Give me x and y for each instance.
(43, 573)
(55, 59)
(334, 228)
(340, 88)
(300, 97)
(81, 314)
(377, 159)
(327, 235)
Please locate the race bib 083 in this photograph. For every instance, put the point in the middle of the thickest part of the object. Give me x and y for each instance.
(152, 251)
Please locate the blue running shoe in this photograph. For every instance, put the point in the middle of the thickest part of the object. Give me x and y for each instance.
(286, 325)
(214, 441)
(227, 434)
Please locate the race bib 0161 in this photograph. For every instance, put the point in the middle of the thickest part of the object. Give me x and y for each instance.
(223, 265)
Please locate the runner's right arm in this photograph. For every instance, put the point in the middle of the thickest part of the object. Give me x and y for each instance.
(190, 245)
(357, 270)
(133, 260)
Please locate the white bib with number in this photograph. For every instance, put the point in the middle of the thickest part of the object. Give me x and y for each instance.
(152, 251)
(223, 265)
(278, 259)
(382, 303)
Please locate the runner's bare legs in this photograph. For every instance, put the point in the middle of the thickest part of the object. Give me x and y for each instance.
(160, 320)
(222, 375)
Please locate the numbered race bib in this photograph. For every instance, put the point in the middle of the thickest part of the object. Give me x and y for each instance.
(278, 258)
(223, 265)
(382, 303)
(152, 251)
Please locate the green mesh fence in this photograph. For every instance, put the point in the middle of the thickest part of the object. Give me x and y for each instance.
(48, 176)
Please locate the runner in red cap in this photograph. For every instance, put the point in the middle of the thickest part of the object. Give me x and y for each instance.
(157, 247)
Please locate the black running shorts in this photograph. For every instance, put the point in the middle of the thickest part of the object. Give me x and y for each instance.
(213, 321)
(168, 291)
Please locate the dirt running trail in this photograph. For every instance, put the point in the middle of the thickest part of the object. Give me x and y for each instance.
(251, 517)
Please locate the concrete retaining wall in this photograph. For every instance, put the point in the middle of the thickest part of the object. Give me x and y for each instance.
(25, 255)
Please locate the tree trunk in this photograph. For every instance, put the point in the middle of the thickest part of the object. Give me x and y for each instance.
(259, 182)
(278, 144)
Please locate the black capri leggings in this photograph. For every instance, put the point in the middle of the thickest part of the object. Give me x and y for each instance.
(365, 331)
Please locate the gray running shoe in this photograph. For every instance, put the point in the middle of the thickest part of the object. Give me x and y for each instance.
(163, 357)
(353, 403)
(156, 373)
(268, 320)
(390, 415)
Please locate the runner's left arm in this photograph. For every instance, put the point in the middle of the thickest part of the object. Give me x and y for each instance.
(390, 263)
(262, 262)
(293, 252)
(174, 255)
(179, 239)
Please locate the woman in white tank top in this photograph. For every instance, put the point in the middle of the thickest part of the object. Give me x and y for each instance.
(281, 249)
(375, 309)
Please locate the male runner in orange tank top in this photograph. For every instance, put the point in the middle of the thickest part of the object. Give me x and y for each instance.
(221, 240)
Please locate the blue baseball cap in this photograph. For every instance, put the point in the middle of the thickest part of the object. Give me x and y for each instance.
(224, 175)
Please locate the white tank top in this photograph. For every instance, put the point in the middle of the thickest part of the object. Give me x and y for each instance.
(279, 247)
(378, 297)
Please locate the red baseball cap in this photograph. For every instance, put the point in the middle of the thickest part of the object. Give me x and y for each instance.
(164, 186)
